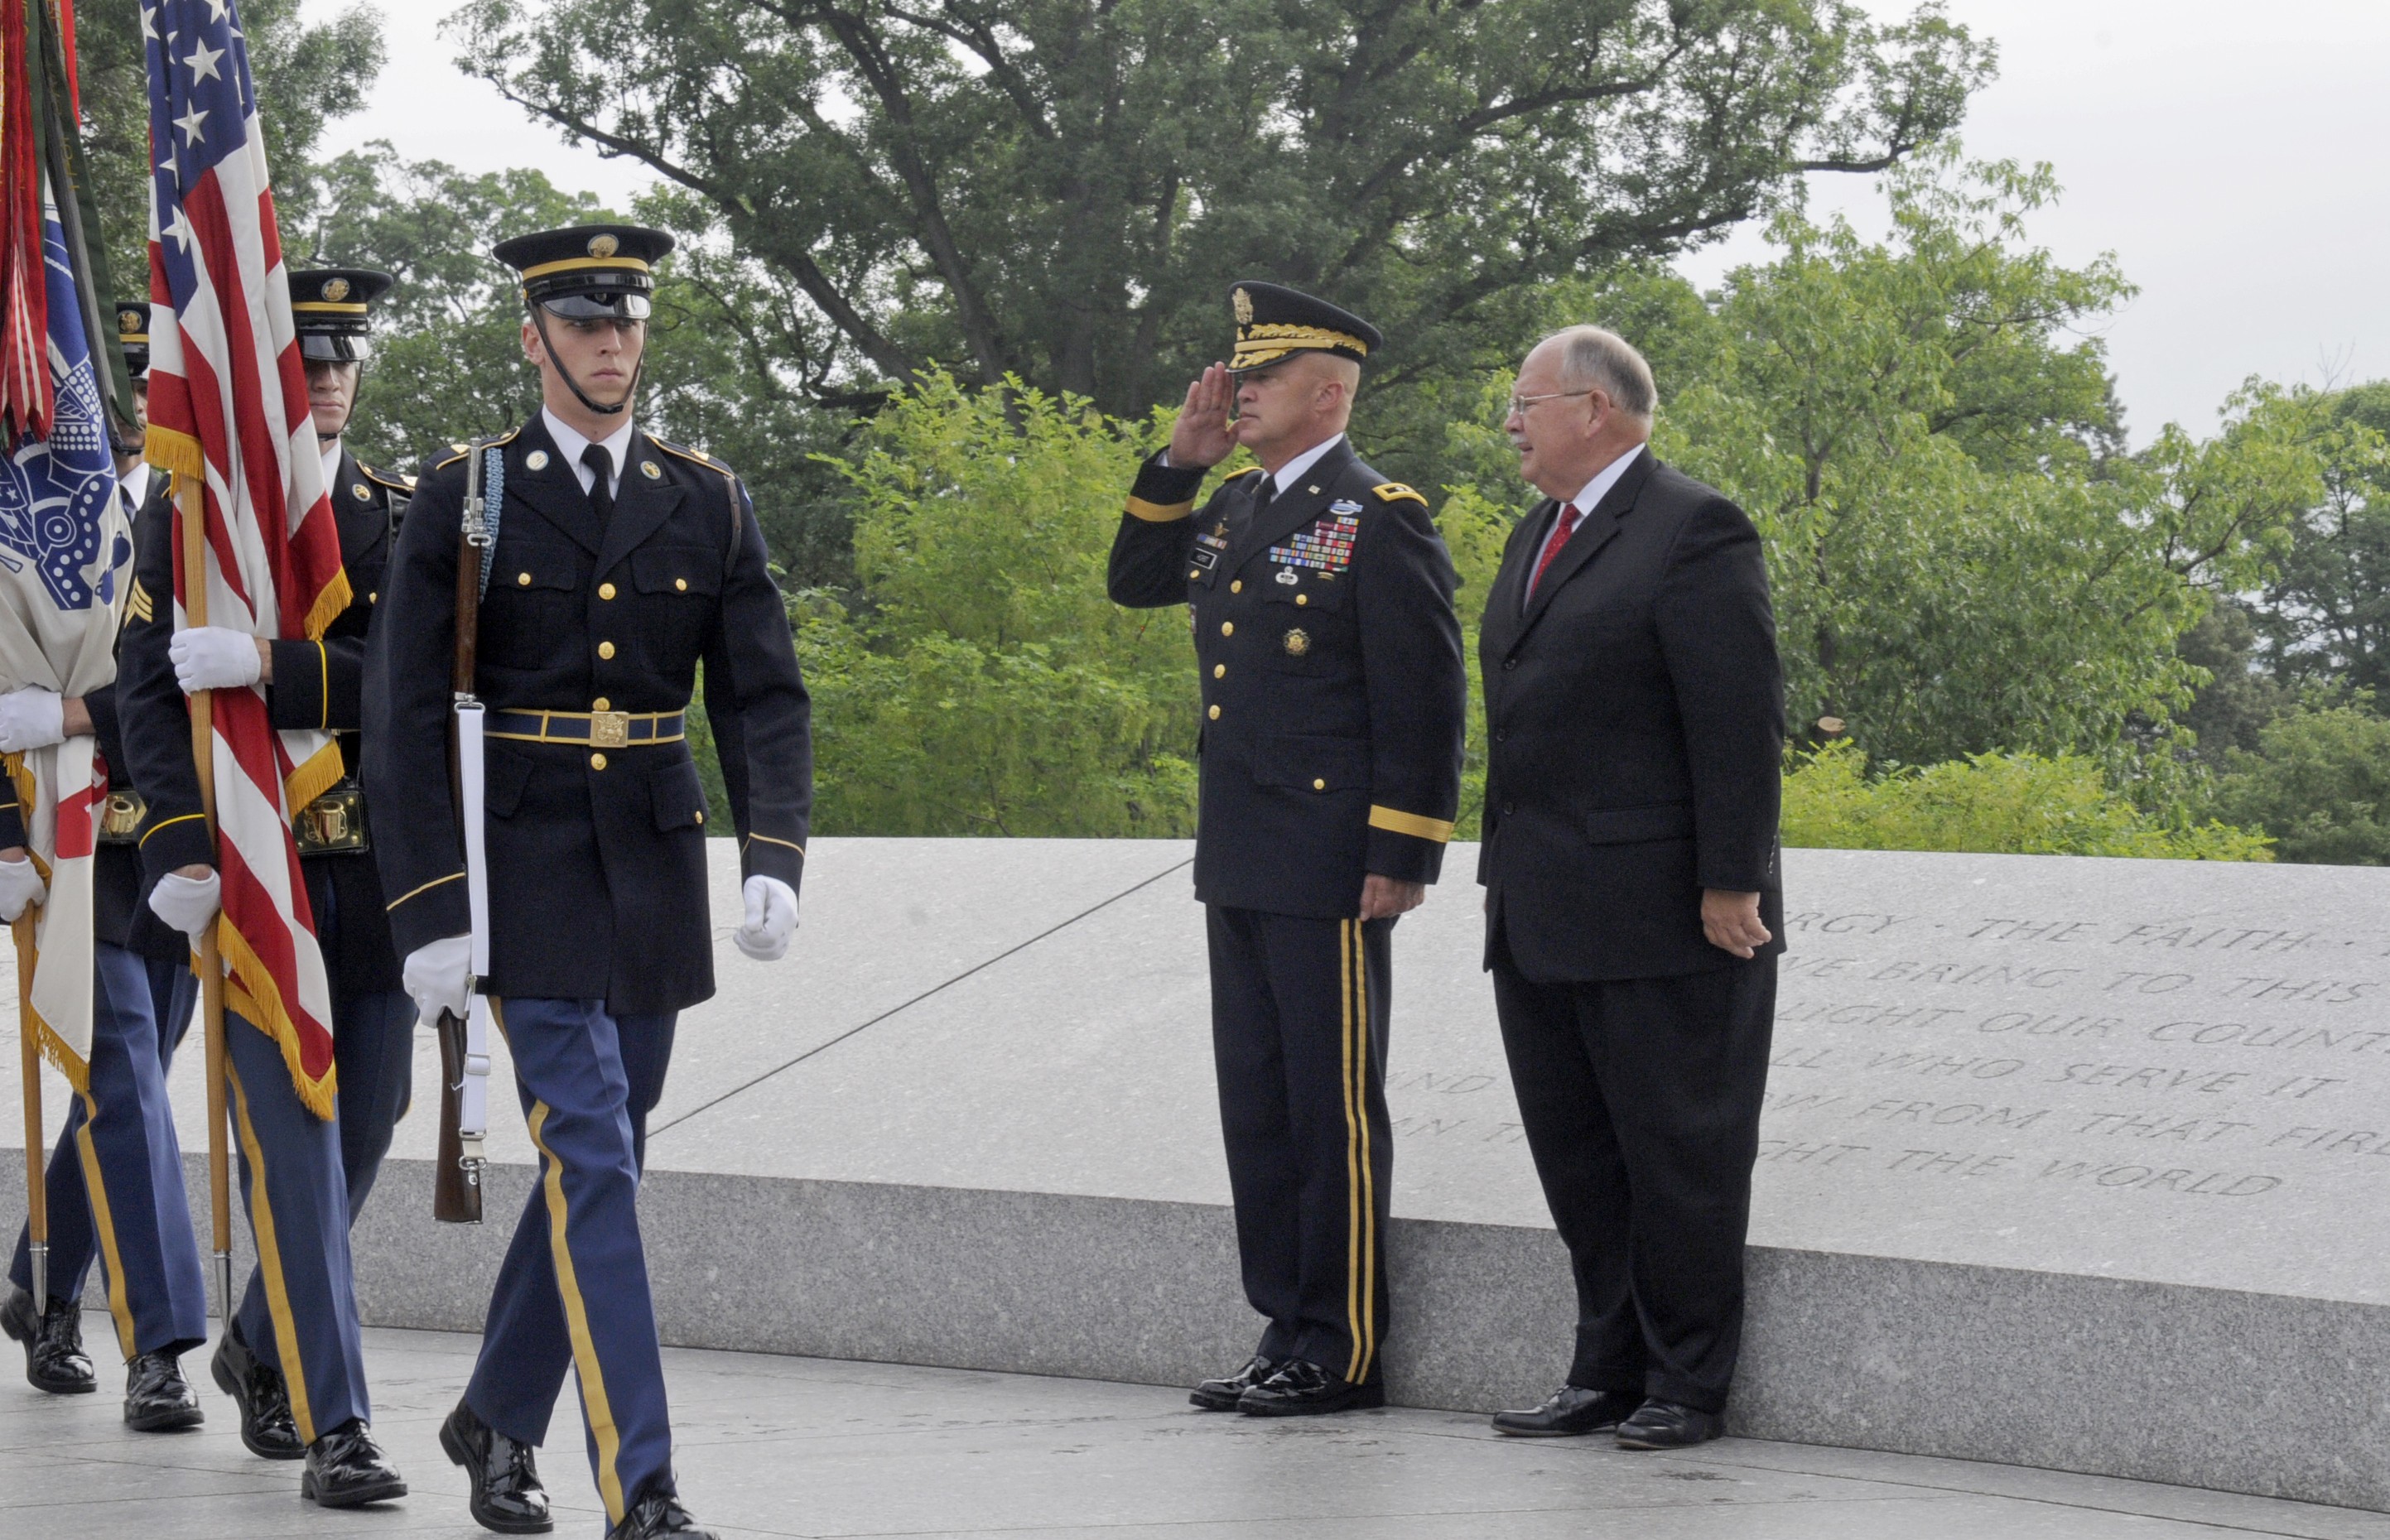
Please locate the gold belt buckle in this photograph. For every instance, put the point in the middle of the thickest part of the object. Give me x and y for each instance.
(609, 730)
(333, 823)
(121, 817)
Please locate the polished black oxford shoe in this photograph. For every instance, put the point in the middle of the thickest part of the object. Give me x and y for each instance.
(54, 1360)
(658, 1514)
(507, 1495)
(1303, 1389)
(345, 1469)
(266, 1426)
(1221, 1396)
(157, 1398)
(1571, 1412)
(1666, 1425)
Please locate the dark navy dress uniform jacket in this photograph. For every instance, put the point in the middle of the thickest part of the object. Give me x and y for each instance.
(1333, 683)
(316, 685)
(598, 857)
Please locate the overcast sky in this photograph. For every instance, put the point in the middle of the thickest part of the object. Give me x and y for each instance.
(2235, 156)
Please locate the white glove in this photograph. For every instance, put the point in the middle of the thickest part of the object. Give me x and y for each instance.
(31, 718)
(214, 658)
(186, 903)
(771, 918)
(440, 976)
(20, 883)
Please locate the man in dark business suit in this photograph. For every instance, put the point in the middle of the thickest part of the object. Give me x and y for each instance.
(1635, 713)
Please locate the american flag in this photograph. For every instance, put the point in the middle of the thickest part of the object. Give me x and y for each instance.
(228, 421)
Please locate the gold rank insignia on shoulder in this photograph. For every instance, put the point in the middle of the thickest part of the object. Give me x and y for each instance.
(1298, 642)
(1395, 492)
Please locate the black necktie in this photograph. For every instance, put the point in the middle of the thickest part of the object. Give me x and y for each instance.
(602, 482)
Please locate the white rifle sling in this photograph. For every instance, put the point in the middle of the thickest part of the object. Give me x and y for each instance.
(472, 1116)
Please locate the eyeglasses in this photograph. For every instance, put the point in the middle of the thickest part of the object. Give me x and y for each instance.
(1519, 405)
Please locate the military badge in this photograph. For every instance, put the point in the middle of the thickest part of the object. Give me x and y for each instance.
(1286, 575)
(535, 460)
(130, 321)
(652, 471)
(1326, 547)
(1343, 505)
(602, 247)
(362, 494)
(1243, 305)
(1298, 642)
(336, 289)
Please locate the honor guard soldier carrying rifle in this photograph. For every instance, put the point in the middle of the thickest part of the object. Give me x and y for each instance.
(1333, 696)
(116, 1179)
(292, 1358)
(308, 685)
(608, 566)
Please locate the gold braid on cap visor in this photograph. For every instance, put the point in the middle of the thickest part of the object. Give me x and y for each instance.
(1260, 345)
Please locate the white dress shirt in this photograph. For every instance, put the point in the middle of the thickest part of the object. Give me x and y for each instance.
(569, 443)
(1585, 502)
(1299, 466)
(134, 487)
(332, 470)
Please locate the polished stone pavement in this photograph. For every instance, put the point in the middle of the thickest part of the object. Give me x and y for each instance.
(796, 1446)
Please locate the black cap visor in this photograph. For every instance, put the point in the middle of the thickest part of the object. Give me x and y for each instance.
(319, 348)
(615, 306)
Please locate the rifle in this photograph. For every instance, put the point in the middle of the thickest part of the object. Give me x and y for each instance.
(465, 1044)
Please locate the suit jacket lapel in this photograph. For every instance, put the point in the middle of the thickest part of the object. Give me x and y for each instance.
(1599, 525)
(551, 490)
(1294, 507)
(1502, 619)
(641, 505)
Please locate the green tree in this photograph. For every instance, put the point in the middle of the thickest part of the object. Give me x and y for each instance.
(307, 73)
(981, 683)
(2318, 783)
(1060, 191)
(2325, 619)
(1961, 561)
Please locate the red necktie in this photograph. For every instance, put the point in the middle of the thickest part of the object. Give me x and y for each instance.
(1570, 517)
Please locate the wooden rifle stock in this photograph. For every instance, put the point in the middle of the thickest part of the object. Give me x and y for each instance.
(456, 1189)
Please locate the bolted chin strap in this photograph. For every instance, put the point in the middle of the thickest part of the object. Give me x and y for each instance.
(539, 323)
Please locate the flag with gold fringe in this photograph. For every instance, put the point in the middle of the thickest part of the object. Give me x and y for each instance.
(228, 421)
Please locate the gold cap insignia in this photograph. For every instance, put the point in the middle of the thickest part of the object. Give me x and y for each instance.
(603, 246)
(1298, 642)
(1243, 305)
(336, 289)
(130, 321)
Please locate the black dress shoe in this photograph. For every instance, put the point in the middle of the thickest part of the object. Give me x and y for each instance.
(1666, 1425)
(157, 1398)
(1573, 1410)
(345, 1469)
(1304, 1389)
(659, 1513)
(266, 1426)
(54, 1360)
(507, 1495)
(1221, 1396)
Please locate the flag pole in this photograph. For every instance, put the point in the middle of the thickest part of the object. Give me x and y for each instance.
(37, 1197)
(212, 984)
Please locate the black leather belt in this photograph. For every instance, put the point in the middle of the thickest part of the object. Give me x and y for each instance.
(597, 729)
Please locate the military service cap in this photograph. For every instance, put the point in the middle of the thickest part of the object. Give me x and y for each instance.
(133, 335)
(1273, 321)
(590, 271)
(332, 308)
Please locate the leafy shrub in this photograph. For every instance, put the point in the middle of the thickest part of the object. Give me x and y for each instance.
(2004, 803)
(2319, 782)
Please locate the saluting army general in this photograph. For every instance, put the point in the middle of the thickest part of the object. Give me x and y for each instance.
(308, 685)
(620, 564)
(291, 1358)
(1333, 696)
(115, 1180)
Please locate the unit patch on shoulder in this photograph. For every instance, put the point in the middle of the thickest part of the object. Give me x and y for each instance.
(1395, 492)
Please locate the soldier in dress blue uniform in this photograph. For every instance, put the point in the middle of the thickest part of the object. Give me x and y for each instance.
(620, 564)
(115, 1181)
(1333, 694)
(300, 1302)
